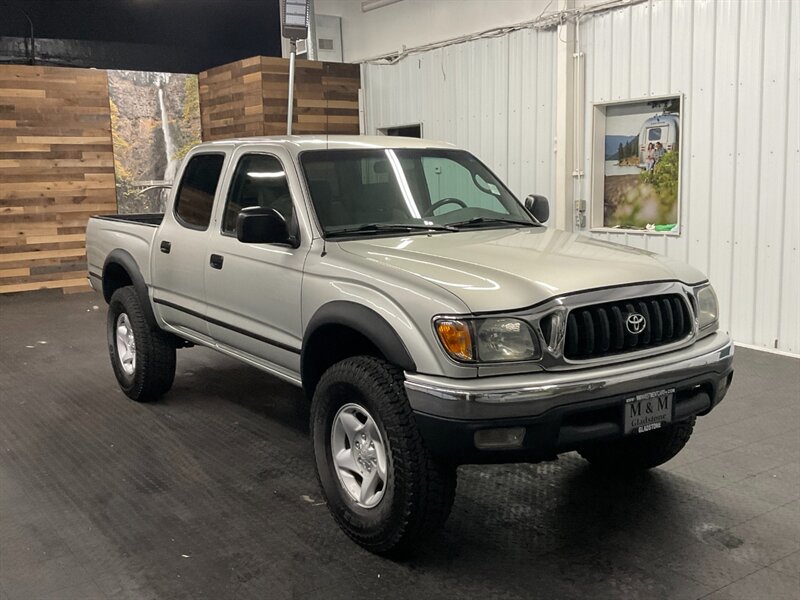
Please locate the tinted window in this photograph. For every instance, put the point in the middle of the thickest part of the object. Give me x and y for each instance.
(259, 180)
(195, 197)
(352, 188)
(654, 134)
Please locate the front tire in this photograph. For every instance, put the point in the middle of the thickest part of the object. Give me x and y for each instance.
(143, 359)
(381, 484)
(640, 452)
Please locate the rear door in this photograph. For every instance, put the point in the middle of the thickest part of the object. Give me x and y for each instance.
(253, 290)
(180, 248)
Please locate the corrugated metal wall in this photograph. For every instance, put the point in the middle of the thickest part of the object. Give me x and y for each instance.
(494, 97)
(737, 65)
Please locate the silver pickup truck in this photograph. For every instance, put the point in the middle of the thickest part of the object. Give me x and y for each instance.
(428, 314)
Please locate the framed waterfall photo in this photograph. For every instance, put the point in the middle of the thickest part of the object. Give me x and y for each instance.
(636, 165)
(155, 120)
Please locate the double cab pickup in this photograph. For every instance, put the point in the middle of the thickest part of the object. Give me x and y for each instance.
(430, 316)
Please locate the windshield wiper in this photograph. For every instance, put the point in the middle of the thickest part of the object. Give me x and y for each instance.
(371, 227)
(491, 220)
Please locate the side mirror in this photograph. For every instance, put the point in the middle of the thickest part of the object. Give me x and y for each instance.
(539, 207)
(260, 225)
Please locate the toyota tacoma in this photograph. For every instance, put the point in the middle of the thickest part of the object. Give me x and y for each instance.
(430, 316)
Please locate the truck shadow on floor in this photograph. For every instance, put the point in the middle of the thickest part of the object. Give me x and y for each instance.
(517, 511)
(220, 379)
(559, 523)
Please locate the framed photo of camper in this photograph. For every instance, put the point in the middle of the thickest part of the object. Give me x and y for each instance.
(636, 165)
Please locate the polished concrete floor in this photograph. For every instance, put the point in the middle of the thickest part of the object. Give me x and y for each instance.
(211, 493)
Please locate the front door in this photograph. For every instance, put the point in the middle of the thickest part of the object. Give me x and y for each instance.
(253, 290)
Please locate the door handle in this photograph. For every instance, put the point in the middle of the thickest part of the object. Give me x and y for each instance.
(166, 246)
(216, 261)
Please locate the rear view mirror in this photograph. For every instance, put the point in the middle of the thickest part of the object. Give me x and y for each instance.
(539, 207)
(260, 225)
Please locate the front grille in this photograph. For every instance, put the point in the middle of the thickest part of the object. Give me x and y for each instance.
(601, 329)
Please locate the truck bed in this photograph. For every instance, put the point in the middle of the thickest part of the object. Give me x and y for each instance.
(134, 233)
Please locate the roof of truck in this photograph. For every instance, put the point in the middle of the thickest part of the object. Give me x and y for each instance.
(298, 143)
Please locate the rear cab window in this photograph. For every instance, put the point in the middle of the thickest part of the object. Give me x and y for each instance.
(194, 201)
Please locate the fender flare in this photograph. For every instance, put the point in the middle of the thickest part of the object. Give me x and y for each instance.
(124, 259)
(365, 321)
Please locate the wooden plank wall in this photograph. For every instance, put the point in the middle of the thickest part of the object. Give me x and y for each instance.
(248, 98)
(56, 156)
(56, 170)
(231, 100)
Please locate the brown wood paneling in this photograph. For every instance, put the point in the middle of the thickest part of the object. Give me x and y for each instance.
(56, 170)
(248, 98)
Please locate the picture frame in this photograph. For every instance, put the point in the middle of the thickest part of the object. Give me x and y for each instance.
(635, 184)
(155, 121)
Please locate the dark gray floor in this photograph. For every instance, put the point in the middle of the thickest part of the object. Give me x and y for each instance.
(211, 493)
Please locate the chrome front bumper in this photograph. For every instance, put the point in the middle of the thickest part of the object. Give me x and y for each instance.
(533, 394)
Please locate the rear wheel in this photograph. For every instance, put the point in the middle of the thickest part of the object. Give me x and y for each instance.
(381, 484)
(143, 359)
(640, 452)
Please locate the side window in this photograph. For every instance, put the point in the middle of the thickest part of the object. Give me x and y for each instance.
(259, 180)
(195, 197)
(448, 179)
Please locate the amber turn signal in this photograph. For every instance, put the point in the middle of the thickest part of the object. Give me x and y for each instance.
(456, 338)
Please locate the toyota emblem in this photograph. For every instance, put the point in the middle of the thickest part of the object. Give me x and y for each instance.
(635, 323)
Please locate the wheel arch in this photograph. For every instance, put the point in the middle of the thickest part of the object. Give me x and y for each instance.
(119, 270)
(355, 329)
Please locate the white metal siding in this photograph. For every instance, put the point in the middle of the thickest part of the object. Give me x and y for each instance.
(737, 65)
(495, 97)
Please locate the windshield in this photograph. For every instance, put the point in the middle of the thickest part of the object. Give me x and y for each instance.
(391, 191)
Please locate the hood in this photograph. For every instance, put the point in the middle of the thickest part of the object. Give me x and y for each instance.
(507, 269)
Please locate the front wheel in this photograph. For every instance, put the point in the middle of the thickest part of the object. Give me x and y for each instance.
(381, 484)
(640, 452)
(143, 359)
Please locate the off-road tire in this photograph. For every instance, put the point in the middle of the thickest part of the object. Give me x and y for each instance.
(640, 452)
(155, 352)
(420, 490)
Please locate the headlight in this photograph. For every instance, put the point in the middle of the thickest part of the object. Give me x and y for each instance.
(487, 340)
(707, 306)
(504, 340)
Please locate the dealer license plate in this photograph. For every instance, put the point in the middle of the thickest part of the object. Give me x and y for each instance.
(646, 412)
